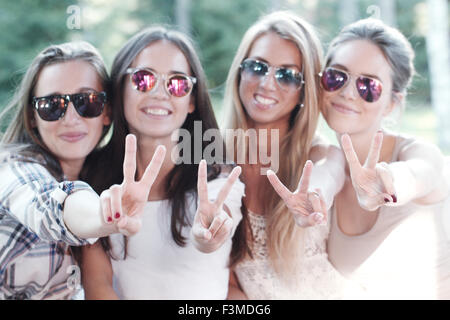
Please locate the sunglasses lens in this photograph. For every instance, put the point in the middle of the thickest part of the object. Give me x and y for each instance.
(89, 105)
(333, 79)
(143, 80)
(288, 78)
(369, 89)
(254, 68)
(179, 86)
(51, 108)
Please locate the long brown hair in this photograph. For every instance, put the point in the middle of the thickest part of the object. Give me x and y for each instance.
(284, 238)
(183, 177)
(22, 138)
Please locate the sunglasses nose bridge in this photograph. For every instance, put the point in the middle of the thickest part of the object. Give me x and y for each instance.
(268, 80)
(70, 113)
(347, 90)
(160, 89)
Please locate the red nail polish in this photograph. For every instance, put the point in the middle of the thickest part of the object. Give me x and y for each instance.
(394, 198)
(117, 215)
(109, 219)
(386, 200)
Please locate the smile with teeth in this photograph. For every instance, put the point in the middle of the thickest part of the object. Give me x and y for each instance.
(157, 111)
(264, 101)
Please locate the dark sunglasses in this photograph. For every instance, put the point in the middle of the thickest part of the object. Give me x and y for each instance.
(53, 107)
(333, 79)
(177, 85)
(286, 78)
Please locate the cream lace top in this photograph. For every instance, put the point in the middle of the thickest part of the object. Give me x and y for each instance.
(316, 278)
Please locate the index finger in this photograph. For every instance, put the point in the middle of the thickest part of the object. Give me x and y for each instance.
(202, 183)
(227, 186)
(350, 154)
(152, 170)
(279, 187)
(374, 152)
(306, 175)
(129, 161)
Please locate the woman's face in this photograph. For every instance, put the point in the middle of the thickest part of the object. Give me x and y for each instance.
(72, 137)
(264, 100)
(156, 113)
(344, 109)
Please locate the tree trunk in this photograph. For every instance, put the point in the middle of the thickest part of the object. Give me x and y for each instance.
(348, 12)
(182, 15)
(439, 66)
(387, 12)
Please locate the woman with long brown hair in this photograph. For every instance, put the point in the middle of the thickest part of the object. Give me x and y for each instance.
(46, 206)
(160, 92)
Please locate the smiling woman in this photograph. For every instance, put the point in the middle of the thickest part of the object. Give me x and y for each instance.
(46, 153)
(389, 225)
(193, 209)
(42, 148)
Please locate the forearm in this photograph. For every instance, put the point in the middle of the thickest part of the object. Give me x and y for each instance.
(83, 215)
(99, 291)
(97, 273)
(328, 175)
(416, 179)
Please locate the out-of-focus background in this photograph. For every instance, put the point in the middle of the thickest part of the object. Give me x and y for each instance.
(28, 26)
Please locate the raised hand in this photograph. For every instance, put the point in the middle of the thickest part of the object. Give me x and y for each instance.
(372, 181)
(123, 204)
(308, 208)
(212, 225)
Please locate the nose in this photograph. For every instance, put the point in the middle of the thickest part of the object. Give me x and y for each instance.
(71, 115)
(349, 90)
(159, 91)
(268, 80)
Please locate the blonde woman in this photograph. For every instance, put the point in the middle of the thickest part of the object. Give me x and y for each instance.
(273, 85)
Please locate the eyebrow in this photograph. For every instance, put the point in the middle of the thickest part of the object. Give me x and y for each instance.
(82, 89)
(170, 72)
(287, 65)
(340, 66)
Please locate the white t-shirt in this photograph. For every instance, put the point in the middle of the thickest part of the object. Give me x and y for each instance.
(157, 268)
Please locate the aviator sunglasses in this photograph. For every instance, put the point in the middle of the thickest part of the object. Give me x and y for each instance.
(368, 88)
(53, 107)
(177, 85)
(286, 78)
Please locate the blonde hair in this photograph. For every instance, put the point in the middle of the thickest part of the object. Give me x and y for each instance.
(284, 238)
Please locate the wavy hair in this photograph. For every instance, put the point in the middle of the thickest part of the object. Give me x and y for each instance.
(285, 239)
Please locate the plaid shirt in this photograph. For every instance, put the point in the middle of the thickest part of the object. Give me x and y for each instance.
(34, 258)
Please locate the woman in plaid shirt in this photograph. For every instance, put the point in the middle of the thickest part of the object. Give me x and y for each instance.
(46, 150)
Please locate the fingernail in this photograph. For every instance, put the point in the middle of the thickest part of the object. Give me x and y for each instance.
(394, 198)
(117, 215)
(386, 200)
(109, 219)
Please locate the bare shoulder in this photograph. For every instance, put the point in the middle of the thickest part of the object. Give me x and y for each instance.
(418, 148)
(321, 149)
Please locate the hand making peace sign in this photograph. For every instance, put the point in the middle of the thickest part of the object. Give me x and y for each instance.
(372, 181)
(212, 225)
(123, 204)
(308, 208)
